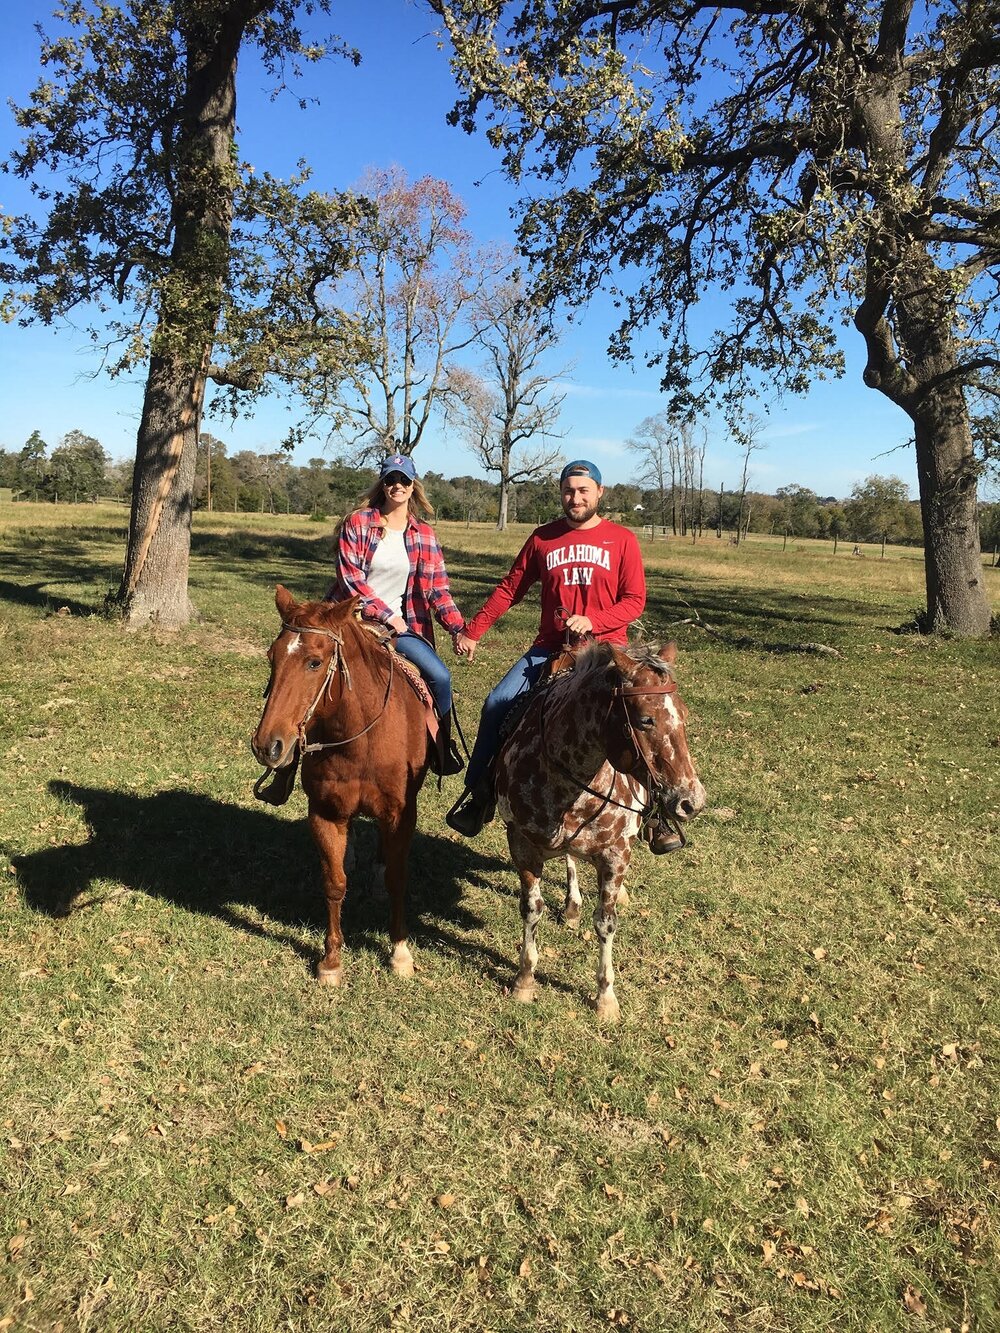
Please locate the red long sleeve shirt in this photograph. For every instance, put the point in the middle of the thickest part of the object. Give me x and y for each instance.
(595, 572)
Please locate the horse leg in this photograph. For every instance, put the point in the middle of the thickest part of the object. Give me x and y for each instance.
(529, 865)
(570, 914)
(331, 842)
(609, 876)
(396, 839)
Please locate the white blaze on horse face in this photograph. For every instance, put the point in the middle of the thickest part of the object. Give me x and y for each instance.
(294, 644)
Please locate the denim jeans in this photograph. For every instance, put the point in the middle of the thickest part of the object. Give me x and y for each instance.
(518, 680)
(418, 651)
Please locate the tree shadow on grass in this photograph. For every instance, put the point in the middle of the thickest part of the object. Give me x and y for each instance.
(250, 869)
(36, 595)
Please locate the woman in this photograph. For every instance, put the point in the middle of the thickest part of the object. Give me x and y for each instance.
(390, 558)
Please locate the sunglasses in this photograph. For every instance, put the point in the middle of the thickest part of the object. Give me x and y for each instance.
(396, 479)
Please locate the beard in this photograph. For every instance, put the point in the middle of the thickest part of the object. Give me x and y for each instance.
(582, 515)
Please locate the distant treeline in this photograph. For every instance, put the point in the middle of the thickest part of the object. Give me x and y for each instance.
(79, 469)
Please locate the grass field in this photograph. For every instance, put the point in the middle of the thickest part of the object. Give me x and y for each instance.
(795, 1127)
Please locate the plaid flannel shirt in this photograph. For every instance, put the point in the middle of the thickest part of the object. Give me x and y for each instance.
(427, 588)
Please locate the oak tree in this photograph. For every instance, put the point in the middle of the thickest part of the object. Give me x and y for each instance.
(802, 163)
(130, 151)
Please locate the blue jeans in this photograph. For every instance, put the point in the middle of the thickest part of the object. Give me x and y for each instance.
(418, 651)
(518, 680)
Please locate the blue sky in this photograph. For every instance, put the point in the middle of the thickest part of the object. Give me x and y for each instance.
(390, 110)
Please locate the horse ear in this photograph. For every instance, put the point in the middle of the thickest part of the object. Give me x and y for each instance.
(284, 601)
(668, 653)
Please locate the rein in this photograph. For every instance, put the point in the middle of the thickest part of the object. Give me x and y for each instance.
(337, 662)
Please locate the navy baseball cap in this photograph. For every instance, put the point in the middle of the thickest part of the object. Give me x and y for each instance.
(398, 463)
(580, 467)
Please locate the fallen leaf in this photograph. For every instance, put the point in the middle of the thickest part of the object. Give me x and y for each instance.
(781, 1044)
(524, 1268)
(295, 1200)
(913, 1301)
(445, 1200)
(282, 1128)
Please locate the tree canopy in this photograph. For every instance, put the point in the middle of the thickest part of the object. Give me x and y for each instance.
(802, 165)
(130, 152)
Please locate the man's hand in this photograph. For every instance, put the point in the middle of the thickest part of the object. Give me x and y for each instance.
(464, 646)
(398, 625)
(579, 624)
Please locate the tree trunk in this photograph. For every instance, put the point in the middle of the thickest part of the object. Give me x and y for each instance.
(504, 493)
(155, 579)
(947, 474)
(154, 586)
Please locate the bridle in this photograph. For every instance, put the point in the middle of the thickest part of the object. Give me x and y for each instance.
(338, 662)
(655, 787)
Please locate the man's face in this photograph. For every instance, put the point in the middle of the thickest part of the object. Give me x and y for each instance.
(580, 497)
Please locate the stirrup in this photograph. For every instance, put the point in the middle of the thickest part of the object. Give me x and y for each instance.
(471, 812)
(448, 764)
(279, 788)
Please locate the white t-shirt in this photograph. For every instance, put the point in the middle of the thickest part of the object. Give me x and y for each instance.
(390, 570)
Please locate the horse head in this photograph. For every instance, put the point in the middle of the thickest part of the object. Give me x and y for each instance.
(304, 659)
(644, 730)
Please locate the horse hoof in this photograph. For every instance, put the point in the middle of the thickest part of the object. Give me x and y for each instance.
(402, 964)
(524, 994)
(329, 976)
(608, 1010)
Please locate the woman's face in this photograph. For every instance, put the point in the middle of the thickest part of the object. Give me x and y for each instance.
(396, 488)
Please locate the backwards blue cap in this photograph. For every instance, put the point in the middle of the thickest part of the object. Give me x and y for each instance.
(580, 467)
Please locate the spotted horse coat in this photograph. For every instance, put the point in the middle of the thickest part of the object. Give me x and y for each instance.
(593, 753)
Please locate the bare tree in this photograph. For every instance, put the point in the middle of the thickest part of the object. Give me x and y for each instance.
(413, 282)
(747, 433)
(499, 413)
(657, 445)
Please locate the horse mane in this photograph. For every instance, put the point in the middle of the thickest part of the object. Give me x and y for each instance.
(597, 657)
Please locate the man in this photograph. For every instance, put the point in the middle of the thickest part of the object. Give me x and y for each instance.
(592, 584)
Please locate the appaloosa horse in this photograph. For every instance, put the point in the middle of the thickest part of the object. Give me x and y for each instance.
(338, 698)
(599, 749)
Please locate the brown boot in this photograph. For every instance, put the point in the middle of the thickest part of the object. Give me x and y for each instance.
(474, 808)
(280, 787)
(662, 838)
(444, 756)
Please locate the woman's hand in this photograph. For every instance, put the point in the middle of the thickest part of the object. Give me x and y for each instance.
(464, 646)
(398, 625)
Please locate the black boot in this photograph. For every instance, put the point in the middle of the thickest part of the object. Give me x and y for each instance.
(280, 787)
(444, 756)
(474, 808)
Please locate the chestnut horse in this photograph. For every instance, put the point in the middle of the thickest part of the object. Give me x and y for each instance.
(599, 750)
(337, 697)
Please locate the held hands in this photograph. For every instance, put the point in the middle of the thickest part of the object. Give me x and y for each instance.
(464, 646)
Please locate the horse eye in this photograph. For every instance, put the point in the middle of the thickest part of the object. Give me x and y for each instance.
(645, 724)
(314, 663)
